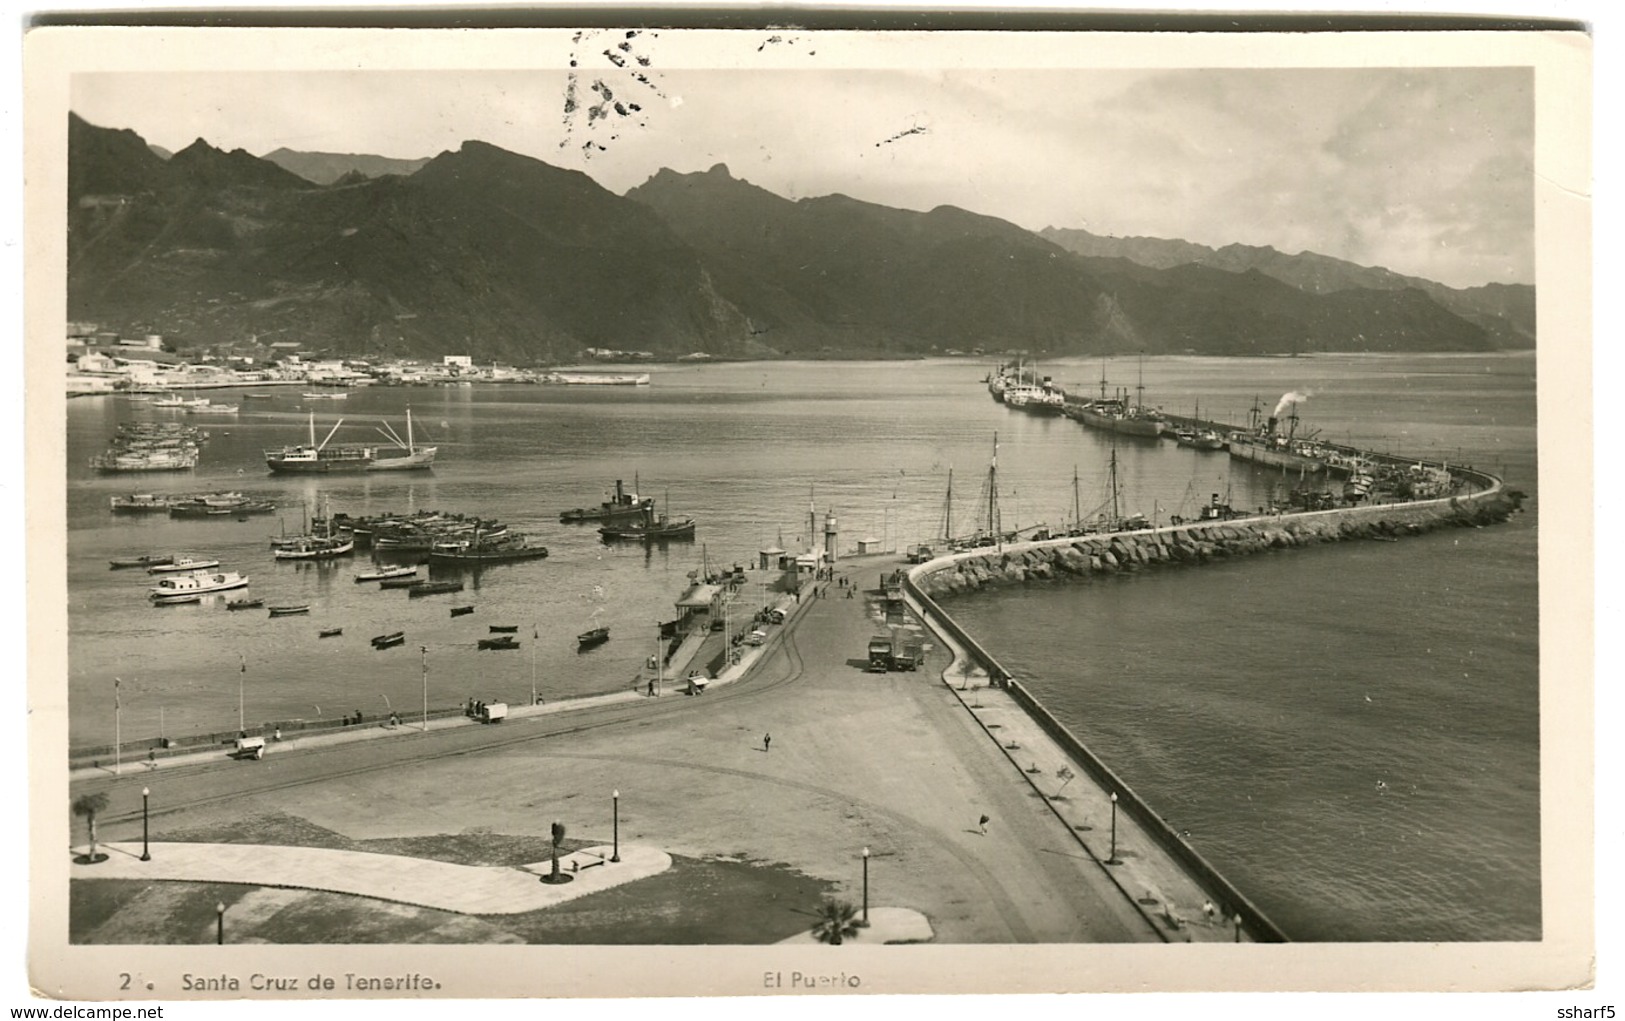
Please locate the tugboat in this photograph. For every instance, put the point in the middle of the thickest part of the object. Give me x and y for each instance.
(650, 528)
(624, 507)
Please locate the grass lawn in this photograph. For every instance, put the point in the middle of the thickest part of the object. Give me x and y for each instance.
(696, 901)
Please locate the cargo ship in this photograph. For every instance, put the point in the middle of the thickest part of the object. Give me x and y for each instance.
(326, 456)
(1263, 442)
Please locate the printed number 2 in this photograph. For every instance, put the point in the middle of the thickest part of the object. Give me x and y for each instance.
(126, 977)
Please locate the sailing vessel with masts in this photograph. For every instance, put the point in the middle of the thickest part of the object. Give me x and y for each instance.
(327, 456)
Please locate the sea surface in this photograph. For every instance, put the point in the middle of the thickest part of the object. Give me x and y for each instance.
(1349, 732)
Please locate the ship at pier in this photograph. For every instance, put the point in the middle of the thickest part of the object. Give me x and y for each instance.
(326, 456)
(1264, 443)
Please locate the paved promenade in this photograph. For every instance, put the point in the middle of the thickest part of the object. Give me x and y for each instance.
(903, 764)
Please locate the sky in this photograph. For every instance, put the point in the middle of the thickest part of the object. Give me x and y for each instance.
(1428, 172)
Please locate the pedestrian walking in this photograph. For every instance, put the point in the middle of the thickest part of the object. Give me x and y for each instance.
(1210, 912)
(767, 742)
(982, 823)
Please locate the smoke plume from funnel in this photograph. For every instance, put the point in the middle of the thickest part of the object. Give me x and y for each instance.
(1287, 401)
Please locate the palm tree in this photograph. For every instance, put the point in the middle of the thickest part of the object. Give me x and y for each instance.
(558, 838)
(1066, 776)
(837, 919)
(87, 805)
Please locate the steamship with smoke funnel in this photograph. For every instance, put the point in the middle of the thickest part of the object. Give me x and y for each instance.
(1264, 443)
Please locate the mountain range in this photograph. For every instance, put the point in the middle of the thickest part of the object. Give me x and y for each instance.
(490, 253)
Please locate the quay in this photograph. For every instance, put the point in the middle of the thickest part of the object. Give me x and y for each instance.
(981, 815)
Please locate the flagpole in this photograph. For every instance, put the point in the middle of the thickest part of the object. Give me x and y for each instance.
(535, 636)
(424, 651)
(242, 673)
(118, 725)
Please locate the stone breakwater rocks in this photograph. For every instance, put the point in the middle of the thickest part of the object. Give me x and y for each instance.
(1194, 543)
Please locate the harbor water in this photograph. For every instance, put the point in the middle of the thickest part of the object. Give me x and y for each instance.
(1349, 733)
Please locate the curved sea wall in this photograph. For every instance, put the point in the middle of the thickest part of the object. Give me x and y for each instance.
(1484, 502)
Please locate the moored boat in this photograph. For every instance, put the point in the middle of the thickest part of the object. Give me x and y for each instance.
(140, 503)
(504, 629)
(588, 639)
(289, 611)
(187, 588)
(332, 632)
(179, 564)
(406, 581)
(623, 506)
(652, 529)
(323, 457)
(245, 604)
(461, 611)
(315, 548)
(476, 554)
(502, 642)
(433, 588)
(389, 639)
(386, 573)
(144, 560)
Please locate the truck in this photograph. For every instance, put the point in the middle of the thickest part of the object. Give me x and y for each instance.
(880, 653)
(494, 712)
(906, 650)
(900, 650)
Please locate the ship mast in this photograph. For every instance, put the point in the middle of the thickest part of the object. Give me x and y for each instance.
(1077, 512)
(1116, 514)
(947, 510)
(1103, 379)
(1139, 389)
(993, 523)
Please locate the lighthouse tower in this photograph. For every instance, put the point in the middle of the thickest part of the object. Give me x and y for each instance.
(829, 536)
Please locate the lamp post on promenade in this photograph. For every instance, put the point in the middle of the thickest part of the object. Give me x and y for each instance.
(865, 921)
(145, 854)
(1113, 859)
(220, 922)
(615, 800)
(423, 650)
(1238, 927)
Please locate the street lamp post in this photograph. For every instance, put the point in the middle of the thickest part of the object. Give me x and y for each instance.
(423, 650)
(865, 886)
(220, 923)
(1238, 927)
(1113, 859)
(615, 798)
(146, 855)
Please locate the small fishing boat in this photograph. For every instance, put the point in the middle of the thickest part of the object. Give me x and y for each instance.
(315, 548)
(289, 611)
(245, 604)
(503, 642)
(326, 397)
(259, 397)
(145, 560)
(388, 641)
(179, 564)
(386, 573)
(461, 611)
(504, 629)
(405, 581)
(589, 639)
(433, 588)
(332, 632)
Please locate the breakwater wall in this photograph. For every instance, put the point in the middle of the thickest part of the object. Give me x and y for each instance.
(1483, 501)
(1198, 542)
